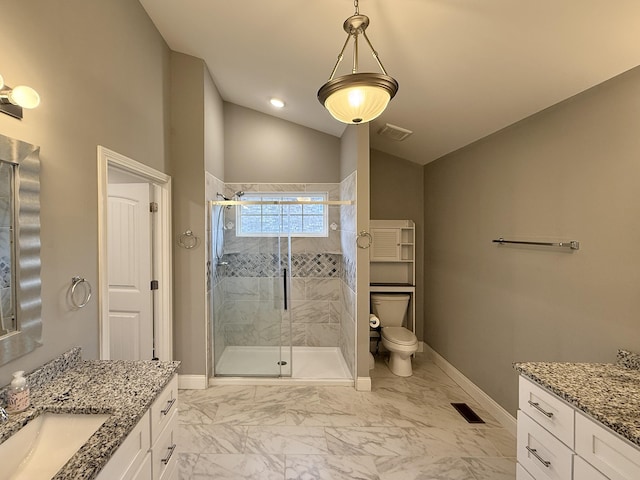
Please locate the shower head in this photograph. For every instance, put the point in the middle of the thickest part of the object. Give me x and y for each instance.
(238, 194)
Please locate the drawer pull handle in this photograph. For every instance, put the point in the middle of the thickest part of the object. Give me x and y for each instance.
(171, 449)
(537, 406)
(534, 452)
(168, 407)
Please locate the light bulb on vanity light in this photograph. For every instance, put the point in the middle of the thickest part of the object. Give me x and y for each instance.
(24, 96)
(14, 100)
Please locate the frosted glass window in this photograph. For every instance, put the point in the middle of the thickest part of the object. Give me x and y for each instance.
(273, 219)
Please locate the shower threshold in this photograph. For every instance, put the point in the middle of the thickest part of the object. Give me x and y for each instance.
(258, 365)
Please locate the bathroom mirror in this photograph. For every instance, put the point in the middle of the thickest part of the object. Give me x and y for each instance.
(20, 302)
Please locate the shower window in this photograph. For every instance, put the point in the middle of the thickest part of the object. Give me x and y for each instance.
(281, 215)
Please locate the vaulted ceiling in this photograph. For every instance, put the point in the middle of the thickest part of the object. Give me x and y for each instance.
(466, 68)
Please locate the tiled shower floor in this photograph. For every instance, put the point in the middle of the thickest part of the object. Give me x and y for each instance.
(404, 429)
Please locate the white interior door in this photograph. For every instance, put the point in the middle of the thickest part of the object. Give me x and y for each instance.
(129, 270)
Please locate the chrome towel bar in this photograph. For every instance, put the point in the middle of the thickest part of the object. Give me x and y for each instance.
(573, 245)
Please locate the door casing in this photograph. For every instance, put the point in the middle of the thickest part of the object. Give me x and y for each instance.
(161, 234)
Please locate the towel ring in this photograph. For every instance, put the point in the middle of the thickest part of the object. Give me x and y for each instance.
(75, 281)
(364, 234)
(188, 240)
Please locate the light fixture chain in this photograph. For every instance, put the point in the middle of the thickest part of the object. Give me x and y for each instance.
(355, 4)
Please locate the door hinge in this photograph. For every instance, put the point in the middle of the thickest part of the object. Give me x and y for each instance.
(153, 207)
(154, 285)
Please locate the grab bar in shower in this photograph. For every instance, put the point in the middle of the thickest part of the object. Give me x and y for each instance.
(573, 245)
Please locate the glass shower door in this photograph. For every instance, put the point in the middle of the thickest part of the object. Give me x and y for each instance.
(251, 302)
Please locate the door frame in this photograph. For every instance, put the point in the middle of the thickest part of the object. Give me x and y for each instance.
(161, 261)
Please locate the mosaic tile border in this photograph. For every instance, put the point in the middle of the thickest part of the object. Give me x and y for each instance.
(267, 265)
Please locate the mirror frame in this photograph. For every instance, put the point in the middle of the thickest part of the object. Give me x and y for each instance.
(28, 336)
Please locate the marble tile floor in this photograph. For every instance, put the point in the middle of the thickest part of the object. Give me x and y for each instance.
(404, 429)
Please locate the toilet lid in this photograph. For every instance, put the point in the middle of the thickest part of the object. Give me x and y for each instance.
(399, 335)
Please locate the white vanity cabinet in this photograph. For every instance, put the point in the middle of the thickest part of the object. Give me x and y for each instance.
(148, 452)
(558, 442)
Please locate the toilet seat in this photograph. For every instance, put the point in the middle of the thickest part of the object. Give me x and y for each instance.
(399, 336)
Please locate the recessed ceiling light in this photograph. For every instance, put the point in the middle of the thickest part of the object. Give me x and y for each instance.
(276, 102)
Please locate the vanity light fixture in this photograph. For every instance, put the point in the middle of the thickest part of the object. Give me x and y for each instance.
(357, 97)
(13, 100)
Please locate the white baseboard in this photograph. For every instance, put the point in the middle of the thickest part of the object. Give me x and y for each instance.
(421, 347)
(192, 382)
(363, 384)
(488, 403)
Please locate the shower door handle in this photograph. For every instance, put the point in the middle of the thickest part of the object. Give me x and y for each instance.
(284, 278)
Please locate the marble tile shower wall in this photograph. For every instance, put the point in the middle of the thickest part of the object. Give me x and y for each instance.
(348, 189)
(251, 313)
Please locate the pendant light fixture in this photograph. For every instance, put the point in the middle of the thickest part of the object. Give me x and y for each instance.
(357, 97)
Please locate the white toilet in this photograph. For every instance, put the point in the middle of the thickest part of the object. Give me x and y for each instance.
(401, 343)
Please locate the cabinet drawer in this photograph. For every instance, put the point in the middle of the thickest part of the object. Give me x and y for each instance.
(522, 474)
(583, 471)
(540, 453)
(163, 407)
(546, 409)
(163, 454)
(609, 453)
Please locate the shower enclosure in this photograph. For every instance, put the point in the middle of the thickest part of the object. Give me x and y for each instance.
(276, 302)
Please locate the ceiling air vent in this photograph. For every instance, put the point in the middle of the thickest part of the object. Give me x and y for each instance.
(393, 132)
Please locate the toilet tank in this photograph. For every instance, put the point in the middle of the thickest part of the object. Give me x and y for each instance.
(390, 308)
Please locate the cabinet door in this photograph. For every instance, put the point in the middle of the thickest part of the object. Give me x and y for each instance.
(609, 453)
(583, 471)
(130, 455)
(386, 245)
(144, 472)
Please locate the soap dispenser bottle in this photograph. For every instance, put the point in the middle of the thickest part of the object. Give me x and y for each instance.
(18, 393)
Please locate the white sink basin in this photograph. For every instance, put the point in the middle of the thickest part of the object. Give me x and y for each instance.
(45, 444)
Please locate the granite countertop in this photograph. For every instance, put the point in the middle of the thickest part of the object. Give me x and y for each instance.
(607, 392)
(123, 389)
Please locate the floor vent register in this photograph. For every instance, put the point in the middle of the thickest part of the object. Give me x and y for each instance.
(467, 412)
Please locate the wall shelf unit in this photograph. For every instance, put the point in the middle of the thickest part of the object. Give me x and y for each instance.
(393, 252)
(392, 261)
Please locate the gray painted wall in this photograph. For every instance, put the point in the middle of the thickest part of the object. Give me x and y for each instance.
(213, 128)
(570, 172)
(95, 90)
(262, 148)
(187, 170)
(397, 192)
(355, 152)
